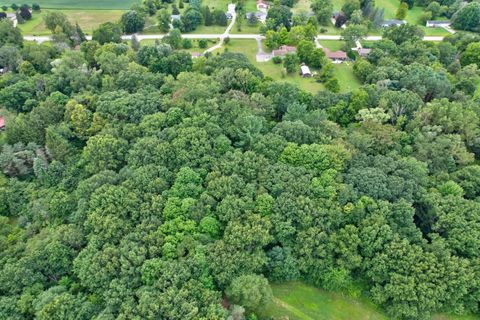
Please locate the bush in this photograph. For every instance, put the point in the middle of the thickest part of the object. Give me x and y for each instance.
(36, 7)
(186, 43)
(14, 7)
(202, 43)
(277, 60)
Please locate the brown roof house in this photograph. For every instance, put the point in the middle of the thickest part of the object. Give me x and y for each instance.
(283, 50)
(336, 56)
(363, 52)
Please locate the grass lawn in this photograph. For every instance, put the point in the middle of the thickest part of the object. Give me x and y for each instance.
(299, 301)
(87, 19)
(301, 6)
(216, 4)
(83, 4)
(246, 28)
(250, 6)
(332, 45)
(194, 48)
(209, 30)
(302, 302)
(345, 76)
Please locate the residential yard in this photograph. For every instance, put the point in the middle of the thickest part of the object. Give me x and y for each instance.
(209, 30)
(246, 28)
(301, 6)
(269, 69)
(216, 4)
(83, 4)
(332, 45)
(87, 19)
(345, 76)
(250, 6)
(194, 48)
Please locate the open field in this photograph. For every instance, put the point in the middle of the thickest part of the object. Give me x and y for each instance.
(246, 28)
(299, 301)
(83, 4)
(302, 302)
(87, 19)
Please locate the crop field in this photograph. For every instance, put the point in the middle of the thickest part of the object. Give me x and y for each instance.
(82, 4)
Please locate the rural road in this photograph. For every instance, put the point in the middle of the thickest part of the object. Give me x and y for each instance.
(141, 37)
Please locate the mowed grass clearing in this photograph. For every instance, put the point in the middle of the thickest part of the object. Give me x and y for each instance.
(82, 4)
(87, 19)
(299, 301)
(345, 77)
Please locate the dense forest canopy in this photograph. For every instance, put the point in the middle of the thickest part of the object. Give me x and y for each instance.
(144, 185)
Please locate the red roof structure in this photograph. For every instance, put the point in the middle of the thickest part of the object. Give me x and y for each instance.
(283, 50)
(335, 55)
(2, 122)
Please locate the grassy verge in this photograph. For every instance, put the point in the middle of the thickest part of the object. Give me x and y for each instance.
(246, 28)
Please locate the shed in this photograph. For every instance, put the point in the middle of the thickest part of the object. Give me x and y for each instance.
(305, 71)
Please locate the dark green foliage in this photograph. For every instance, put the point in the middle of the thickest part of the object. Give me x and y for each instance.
(143, 185)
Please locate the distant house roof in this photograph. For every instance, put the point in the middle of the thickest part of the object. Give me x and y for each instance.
(438, 23)
(393, 22)
(196, 54)
(228, 15)
(335, 55)
(262, 4)
(2, 122)
(175, 17)
(11, 16)
(363, 52)
(283, 50)
(259, 14)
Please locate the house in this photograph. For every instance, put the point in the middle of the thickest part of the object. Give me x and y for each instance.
(438, 23)
(393, 22)
(228, 15)
(260, 15)
(363, 52)
(2, 123)
(336, 56)
(262, 5)
(196, 55)
(283, 50)
(175, 17)
(12, 17)
(305, 71)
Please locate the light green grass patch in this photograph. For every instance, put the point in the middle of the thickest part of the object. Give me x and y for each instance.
(301, 6)
(209, 30)
(246, 28)
(87, 19)
(217, 4)
(345, 77)
(332, 45)
(302, 302)
(83, 4)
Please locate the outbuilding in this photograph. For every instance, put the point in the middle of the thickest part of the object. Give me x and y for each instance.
(305, 71)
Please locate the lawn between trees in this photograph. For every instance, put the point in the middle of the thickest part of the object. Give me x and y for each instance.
(299, 301)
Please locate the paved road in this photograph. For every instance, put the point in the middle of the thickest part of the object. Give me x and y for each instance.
(141, 37)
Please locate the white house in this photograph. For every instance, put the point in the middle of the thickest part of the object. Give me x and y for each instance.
(438, 23)
(393, 22)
